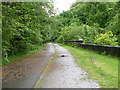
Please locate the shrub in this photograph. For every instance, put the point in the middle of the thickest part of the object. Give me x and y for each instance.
(106, 39)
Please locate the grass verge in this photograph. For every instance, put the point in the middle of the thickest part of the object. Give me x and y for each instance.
(100, 67)
(18, 57)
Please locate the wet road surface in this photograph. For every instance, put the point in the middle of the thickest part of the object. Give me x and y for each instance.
(65, 73)
(25, 73)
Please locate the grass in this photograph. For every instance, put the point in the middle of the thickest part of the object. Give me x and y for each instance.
(18, 57)
(100, 67)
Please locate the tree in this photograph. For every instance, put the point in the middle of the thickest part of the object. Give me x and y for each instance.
(25, 25)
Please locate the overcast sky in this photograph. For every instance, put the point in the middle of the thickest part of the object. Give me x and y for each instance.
(63, 5)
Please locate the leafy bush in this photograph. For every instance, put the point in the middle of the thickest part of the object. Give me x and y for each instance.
(71, 32)
(106, 39)
(74, 32)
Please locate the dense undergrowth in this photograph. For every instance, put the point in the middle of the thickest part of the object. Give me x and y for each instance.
(20, 56)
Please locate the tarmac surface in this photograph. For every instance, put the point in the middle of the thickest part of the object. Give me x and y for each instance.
(64, 73)
(25, 73)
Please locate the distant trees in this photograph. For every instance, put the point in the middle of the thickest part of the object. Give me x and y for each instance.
(91, 21)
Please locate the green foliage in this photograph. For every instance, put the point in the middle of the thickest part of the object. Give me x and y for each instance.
(25, 25)
(74, 32)
(106, 39)
(20, 56)
(90, 13)
(113, 25)
(89, 33)
(90, 20)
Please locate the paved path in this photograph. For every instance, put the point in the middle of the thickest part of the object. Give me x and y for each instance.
(25, 73)
(65, 73)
